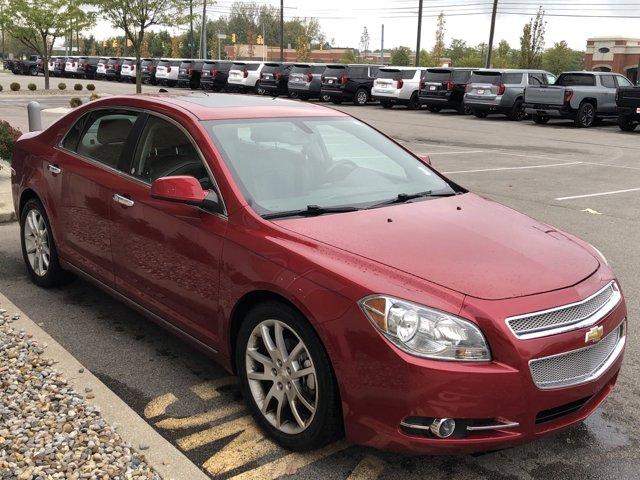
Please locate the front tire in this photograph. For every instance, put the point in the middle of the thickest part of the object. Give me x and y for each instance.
(38, 247)
(286, 378)
(626, 123)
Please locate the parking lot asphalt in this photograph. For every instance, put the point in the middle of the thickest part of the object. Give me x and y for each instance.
(584, 181)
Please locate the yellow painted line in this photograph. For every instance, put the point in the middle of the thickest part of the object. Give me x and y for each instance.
(200, 418)
(209, 390)
(369, 468)
(158, 406)
(290, 464)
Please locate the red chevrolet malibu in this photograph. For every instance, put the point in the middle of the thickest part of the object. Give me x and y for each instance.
(352, 288)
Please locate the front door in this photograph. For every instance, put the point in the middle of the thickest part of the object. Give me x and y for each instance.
(167, 255)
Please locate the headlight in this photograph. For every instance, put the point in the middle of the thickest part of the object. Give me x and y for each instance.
(425, 332)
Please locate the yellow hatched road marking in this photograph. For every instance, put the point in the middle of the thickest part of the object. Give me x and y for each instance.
(200, 418)
(208, 390)
(369, 468)
(158, 406)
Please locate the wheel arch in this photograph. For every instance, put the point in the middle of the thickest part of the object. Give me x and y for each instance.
(591, 100)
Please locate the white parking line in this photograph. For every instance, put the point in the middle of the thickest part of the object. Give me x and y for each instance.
(613, 192)
(525, 167)
(456, 153)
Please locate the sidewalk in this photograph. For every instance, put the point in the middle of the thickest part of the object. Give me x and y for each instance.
(7, 214)
(57, 420)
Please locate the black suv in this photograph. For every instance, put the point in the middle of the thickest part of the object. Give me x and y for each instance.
(189, 73)
(349, 82)
(305, 81)
(444, 88)
(87, 67)
(274, 77)
(112, 69)
(214, 74)
(148, 70)
(628, 101)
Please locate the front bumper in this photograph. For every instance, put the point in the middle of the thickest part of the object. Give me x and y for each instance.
(393, 388)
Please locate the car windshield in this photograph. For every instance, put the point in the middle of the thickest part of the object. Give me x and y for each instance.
(289, 164)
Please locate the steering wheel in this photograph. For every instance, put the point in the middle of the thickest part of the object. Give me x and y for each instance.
(339, 170)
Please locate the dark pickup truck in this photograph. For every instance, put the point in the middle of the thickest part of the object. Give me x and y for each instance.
(32, 66)
(628, 102)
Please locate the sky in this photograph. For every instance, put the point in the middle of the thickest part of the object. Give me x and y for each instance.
(343, 20)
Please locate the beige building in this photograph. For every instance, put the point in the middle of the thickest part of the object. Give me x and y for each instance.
(613, 54)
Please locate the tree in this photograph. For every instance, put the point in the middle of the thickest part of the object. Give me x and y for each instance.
(401, 56)
(425, 59)
(505, 56)
(37, 24)
(348, 56)
(532, 41)
(561, 58)
(439, 47)
(135, 17)
(364, 41)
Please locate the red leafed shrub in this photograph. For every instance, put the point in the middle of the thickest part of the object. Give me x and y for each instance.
(8, 137)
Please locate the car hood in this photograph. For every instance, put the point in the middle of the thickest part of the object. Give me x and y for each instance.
(465, 243)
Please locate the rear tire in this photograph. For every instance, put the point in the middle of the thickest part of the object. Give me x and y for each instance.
(361, 97)
(586, 115)
(627, 123)
(38, 247)
(540, 118)
(386, 104)
(517, 113)
(268, 336)
(325, 98)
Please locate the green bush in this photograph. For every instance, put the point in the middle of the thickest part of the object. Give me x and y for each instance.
(62, 86)
(91, 87)
(75, 102)
(77, 87)
(32, 86)
(94, 96)
(15, 86)
(8, 137)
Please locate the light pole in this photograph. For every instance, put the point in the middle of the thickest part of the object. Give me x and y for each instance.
(487, 63)
(419, 31)
(203, 32)
(282, 30)
(191, 28)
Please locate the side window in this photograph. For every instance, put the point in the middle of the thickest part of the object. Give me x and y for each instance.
(536, 79)
(70, 142)
(608, 81)
(551, 79)
(164, 150)
(105, 134)
(623, 81)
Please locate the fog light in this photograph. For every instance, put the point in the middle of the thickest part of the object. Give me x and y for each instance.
(443, 427)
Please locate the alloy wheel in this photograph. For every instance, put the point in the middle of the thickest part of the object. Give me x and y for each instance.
(36, 241)
(282, 377)
(361, 97)
(587, 115)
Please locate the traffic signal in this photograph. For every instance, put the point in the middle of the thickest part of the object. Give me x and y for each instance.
(259, 40)
(233, 38)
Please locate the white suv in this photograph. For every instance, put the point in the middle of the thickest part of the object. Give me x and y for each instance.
(71, 67)
(397, 85)
(167, 71)
(245, 76)
(128, 70)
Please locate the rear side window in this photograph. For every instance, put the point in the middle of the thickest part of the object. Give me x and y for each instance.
(433, 75)
(105, 134)
(461, 76)
(512, 78)
(576, 80)
(537, 79)
(608, 81)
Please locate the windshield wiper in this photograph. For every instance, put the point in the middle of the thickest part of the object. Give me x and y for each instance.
(405, 197)
(310, 211)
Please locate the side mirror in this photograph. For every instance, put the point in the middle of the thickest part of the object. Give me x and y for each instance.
(185, 189)
(425, 158)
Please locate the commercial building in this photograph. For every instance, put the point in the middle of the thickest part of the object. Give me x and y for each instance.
(613, 54)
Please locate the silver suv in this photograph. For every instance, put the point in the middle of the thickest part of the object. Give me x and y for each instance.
(502, 91)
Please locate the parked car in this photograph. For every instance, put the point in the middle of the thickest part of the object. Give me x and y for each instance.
(51, 65)
(59, 67)
(274, 78)
(71, 68)
(31, 66)
(7, 64)
(113, 70)
(245, 76)
(305, 81)
(101, 68)
(261, 230)
(214, 74)
(189, 73)
(444, 88)
(87, 67)
(584, 97)
(628, 102)
(148, 70)
(351, 83)
(502, 91)
(128, 70)
(167, 71)
(397, 85)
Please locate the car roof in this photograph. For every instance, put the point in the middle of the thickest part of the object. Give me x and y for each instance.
(223, 106)
(392, 67)
(591, 72)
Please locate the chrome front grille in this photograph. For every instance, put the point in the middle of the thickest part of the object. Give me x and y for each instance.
(567, 317)
(578, 366)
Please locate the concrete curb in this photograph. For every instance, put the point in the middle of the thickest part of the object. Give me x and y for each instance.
(166, 459)
(7, 214)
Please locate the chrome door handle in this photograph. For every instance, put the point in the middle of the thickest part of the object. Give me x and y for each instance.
(54, 169)
(124, 201)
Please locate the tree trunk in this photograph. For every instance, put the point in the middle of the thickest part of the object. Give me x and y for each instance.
(138, 48)
(45, 61)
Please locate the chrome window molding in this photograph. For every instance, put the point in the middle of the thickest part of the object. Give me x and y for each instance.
(597, 372)
(574, 324)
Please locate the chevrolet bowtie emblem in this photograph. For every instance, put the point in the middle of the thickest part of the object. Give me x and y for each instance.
(594, 335)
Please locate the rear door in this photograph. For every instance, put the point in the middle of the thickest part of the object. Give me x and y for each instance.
(91, 168)
(167, 255)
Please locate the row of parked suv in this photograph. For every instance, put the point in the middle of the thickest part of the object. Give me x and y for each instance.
(585, 97)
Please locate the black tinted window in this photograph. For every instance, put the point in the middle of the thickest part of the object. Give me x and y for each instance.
(576, 79)
(512, 78)
(318, 69)
(105, 135)
(301, 69)
(358, 72)
(70, 141)
(392, 74)
(334, 71)
(461, 76)
(493, 78)
(608, 81)
(270, 68)
(163, 63)
(222, 66)
(437, 75)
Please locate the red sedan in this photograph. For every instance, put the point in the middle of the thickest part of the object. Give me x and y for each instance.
(353, 288)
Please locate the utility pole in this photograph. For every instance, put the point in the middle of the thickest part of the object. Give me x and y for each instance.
(382, 46)
(191, 28)
(487, 63)
(2, 27)
(282, 30)
(419, 31)
(203, 32)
